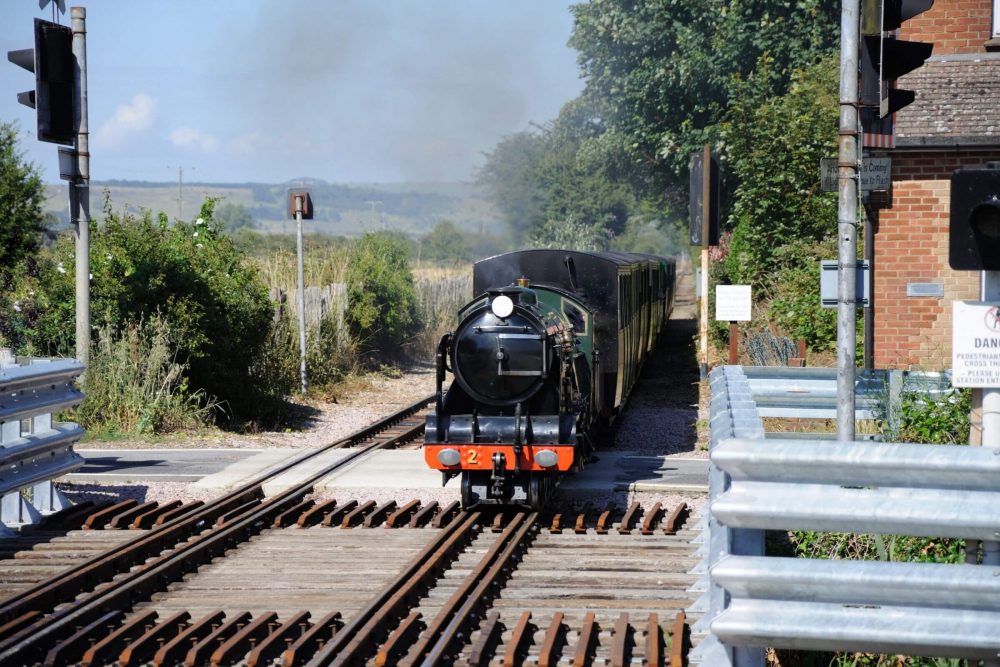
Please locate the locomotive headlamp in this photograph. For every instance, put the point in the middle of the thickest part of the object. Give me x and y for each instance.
(546, 458)
(449, 457)
(502, 306)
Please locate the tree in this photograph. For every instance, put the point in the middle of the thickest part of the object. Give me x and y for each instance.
(21, 198)
(189, 274)
(507, 176)
(558, 185)
(446, 242)
(664, 72)
(381, 297)
(773, 148)
(233, 217)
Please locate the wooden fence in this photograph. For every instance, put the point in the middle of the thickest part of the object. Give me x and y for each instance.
(320, 302)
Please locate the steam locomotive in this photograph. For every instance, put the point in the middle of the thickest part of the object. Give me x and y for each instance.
(543, 360)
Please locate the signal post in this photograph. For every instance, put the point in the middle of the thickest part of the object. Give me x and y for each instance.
(59, 63)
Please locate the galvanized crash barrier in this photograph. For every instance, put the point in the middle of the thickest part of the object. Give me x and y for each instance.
(811, 393)
(856, 487)
(34, 450)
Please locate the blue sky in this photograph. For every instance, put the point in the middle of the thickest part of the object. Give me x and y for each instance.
(270, 90)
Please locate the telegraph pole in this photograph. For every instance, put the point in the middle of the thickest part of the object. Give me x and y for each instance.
(847, 217)
(79, 188)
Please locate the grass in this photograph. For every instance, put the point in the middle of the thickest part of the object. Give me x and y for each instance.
(133, 384)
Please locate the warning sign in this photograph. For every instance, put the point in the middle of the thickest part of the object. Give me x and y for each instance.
(975, 344)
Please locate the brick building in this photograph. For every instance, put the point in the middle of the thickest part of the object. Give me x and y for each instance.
(955, 121)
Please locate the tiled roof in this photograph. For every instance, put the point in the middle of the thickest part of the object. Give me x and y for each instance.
(958, 103)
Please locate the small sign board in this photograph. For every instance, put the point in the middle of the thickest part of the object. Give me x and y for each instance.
(307, 205)
(975, 344)
(828, 283)
(732, 303)
(875, 175)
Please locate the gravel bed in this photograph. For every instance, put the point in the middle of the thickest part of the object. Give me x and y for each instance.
(161, 492)
(322, 422)
(663, 412)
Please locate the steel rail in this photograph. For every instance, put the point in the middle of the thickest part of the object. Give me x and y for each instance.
(358, 638)
(478, 588)
(102, 567)
(152, 576)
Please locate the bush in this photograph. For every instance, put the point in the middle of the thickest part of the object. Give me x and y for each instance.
(382, 303)
(944, 422)
(190, 274)
(134, 384)
(795, 305)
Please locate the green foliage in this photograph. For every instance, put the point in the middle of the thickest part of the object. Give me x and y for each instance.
(382, 305)
(21, 198)
(233, 217)
(190, 274)
(330, 354)
(666, 71)
(134, 384)
(445, 243)
(782, 224)
(795, 304)
(556, 185)
(773, 149)
(851, 546)
(508, 177)
(648, 235)
(942, 422)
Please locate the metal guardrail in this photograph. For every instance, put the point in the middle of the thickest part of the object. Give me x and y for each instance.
(752, 601)
(33, 449)
(811, 393)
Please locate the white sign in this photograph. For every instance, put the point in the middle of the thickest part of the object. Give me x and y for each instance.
(732, 303)
(975, 344)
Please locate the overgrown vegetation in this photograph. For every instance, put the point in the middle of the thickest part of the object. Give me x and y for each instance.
(781, 222)
(381, 300)
(135, 385)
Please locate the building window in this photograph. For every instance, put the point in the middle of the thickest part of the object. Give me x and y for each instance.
(996, 18)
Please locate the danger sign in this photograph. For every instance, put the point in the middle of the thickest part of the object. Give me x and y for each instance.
(975, 344)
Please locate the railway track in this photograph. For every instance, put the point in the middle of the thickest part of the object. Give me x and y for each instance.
(292, 579)
(408, 585)
(85, 597)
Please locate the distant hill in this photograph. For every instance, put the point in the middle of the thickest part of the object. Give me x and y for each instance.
(340, 209)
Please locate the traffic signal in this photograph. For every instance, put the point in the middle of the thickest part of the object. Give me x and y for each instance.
(885, 58)
(698, 207)
(974, 232)
(54, 66)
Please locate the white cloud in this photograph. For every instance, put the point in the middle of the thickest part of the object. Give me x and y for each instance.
(127, 121)
(189, 137)
(245, 144)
